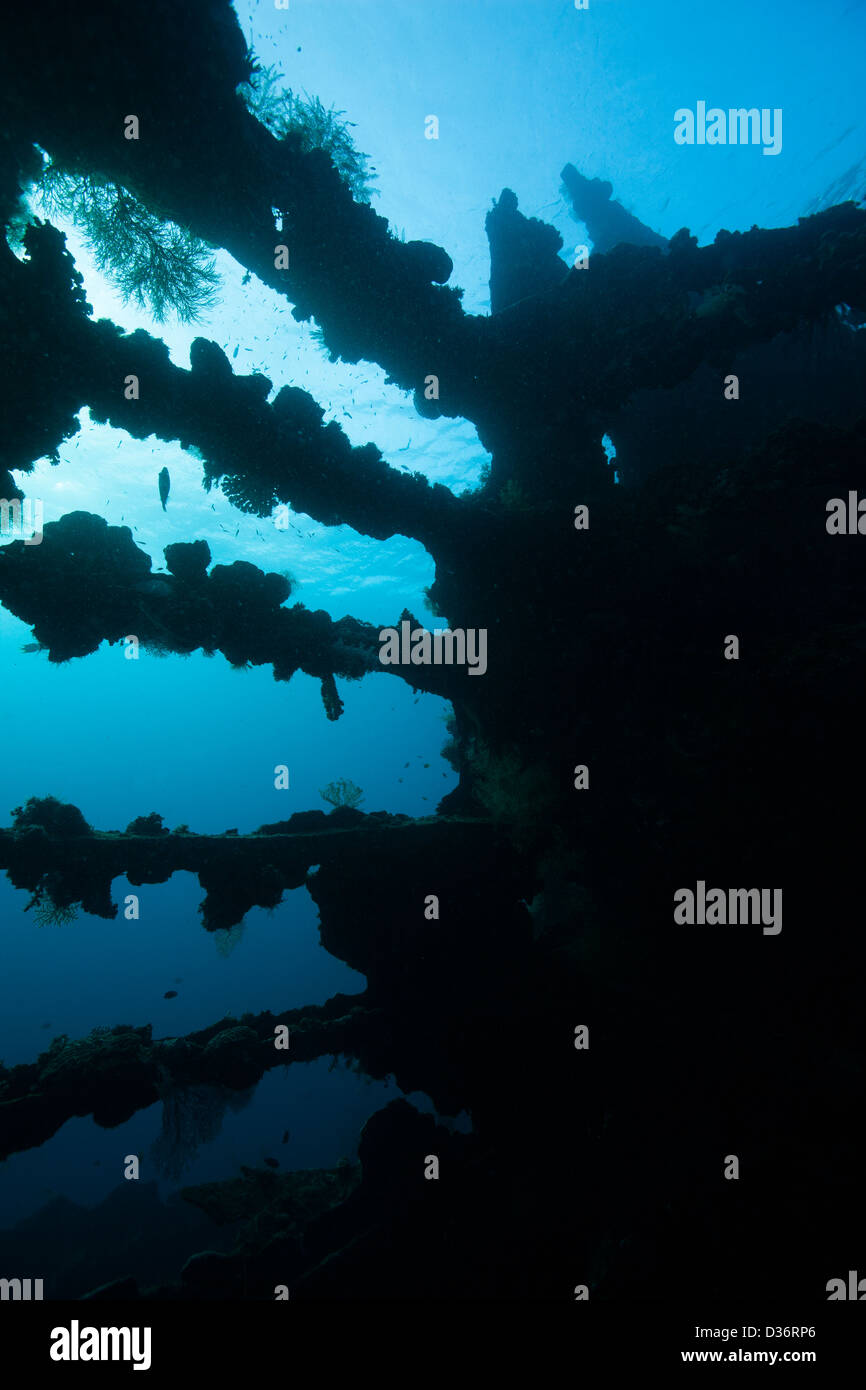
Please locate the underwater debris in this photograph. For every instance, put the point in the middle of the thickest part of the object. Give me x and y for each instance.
(524, 257)
(275, 1207)
(606, 220)
(188, 560)
(235, 874)
(91, 588)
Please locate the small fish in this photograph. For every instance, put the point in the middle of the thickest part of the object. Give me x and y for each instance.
(235, 353)
(405, 764)
(97, 1163)
(33, 647)
(285, 1138)
(170, 994)
(272, 1163)
(45, 1025)
(164, 486)
(178, 979)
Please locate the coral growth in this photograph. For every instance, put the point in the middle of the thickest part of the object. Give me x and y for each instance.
(153, 262)
(49, 913)
(147, 825)
(342, 792)
(305, 123)
(55, 817)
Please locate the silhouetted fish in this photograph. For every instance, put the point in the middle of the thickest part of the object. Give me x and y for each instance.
(272, 1163)
(286, 1137)
(33, 647)
(164, 486)
(170, 994)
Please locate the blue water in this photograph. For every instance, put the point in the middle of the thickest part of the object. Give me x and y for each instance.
(519, 89)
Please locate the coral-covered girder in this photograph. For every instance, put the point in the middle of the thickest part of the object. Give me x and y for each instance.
(413, 965)
(628, 321)
(88, 582)
(262, 454)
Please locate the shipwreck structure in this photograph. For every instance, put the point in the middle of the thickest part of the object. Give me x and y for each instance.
(609, 1058)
